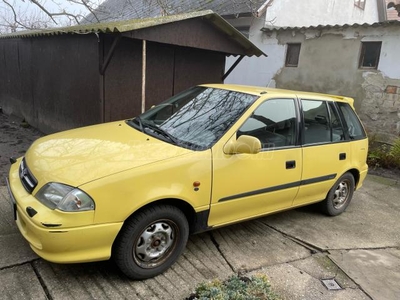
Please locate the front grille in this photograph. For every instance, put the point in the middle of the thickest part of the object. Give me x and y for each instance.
(27, 179)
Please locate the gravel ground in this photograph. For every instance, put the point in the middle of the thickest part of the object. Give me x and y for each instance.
(15, 138)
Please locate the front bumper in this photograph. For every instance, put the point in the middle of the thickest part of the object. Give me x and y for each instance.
(60, 244)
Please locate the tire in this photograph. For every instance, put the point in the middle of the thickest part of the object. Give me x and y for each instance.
(151, 241)
(339, 196)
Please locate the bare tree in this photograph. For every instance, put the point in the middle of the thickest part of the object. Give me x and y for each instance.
(37, 14)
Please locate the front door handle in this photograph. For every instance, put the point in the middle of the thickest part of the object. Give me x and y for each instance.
(290, 164)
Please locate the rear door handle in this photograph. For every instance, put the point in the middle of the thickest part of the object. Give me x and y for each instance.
(290, 164)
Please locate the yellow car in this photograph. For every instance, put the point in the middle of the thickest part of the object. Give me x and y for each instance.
(210, 156)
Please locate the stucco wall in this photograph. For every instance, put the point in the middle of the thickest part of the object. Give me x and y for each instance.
(292, 13)
(328, 63)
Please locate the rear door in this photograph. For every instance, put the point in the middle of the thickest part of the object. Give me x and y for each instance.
(326, 150)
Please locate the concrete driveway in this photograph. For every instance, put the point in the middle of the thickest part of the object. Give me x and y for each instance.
(359, 250)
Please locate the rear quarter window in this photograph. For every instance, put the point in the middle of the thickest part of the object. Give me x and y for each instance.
(353, 125)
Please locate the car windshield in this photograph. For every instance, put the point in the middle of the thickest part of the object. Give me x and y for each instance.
(195, 118)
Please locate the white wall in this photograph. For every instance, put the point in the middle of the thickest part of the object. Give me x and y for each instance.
(299, 13)
(258, 71)
(388, 60)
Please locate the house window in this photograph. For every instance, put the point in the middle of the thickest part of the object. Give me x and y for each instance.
(292, 55)
(370, 52)
(360, 3)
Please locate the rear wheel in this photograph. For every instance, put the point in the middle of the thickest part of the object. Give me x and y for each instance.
(339, 196)
(151, 241)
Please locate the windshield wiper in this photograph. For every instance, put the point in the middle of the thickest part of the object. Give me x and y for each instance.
(143, 125)
(135, 122)
(160, 131)
(140, 122)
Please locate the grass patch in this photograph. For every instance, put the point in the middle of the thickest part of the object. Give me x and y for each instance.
(256, 287)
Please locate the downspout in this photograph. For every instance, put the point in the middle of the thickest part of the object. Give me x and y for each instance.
(144, 76)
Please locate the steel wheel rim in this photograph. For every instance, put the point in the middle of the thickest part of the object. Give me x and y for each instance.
(341, 194)
(155, 243)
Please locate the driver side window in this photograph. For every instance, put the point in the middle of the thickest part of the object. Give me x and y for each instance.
(273, 123)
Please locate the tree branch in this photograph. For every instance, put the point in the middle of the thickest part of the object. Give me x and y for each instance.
(44, 10)
(64, 13)
(15, 16)
(84, 3)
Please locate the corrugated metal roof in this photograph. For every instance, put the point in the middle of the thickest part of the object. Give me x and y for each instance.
(135, 24)
(114, 10)
(319, 27)
(109, 27)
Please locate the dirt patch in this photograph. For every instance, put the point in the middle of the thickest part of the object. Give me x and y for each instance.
(15, 138)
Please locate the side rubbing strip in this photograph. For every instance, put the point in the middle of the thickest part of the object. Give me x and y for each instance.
(279, 187)
(318, 179)
(262, 191)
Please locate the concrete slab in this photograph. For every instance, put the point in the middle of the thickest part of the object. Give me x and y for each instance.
(20, 283)
(15, 251)
(13, 247)
(252, 245)
(320, 266)
(294, 283)
(377, 271)
(370, 221)
(200, 262)
(7, 223)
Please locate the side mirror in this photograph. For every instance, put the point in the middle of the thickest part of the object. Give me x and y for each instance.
(244, 144)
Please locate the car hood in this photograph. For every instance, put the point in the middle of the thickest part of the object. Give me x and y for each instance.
(82, 155)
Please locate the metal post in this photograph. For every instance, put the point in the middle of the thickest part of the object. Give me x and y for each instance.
(144, 77)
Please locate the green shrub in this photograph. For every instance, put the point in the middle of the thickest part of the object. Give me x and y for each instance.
(395, 152)
(256, 287)
(384, 155)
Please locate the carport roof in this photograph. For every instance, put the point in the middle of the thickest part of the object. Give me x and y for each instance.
(135, 24)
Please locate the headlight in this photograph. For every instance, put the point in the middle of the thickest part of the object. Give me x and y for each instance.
(64, 197)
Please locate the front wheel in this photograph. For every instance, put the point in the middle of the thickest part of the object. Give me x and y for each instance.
(151, 241)
(339, 196)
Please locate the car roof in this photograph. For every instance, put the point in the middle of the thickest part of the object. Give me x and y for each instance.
(264, 91)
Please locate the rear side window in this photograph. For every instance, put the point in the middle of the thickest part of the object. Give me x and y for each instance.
(353, 124)
(322, 123)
